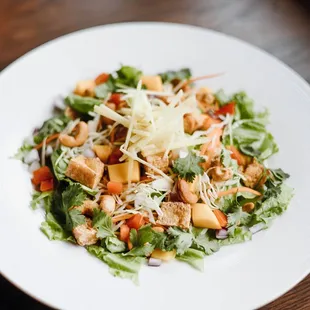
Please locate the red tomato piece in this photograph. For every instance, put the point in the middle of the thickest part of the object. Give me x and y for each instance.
(42, 174)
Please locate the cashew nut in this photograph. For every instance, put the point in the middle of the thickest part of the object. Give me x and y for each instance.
(107, 204)
(220, 174)
(77, 140)
(185, 192)
(248, 207)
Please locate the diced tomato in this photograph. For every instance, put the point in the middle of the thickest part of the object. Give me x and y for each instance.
(221, 217)
(47, 185)
(228, 108)
(102, 78)
(42, 174)
(124, 233)
(115, 187)
(136, 221)
(115, 98)
(115, 156)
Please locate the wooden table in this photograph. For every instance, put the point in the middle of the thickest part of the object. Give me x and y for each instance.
(280, 27)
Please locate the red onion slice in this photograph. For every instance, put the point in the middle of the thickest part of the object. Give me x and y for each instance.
(221, 233)
(154, 262)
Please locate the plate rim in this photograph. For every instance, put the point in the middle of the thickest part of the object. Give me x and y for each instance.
(300, 81)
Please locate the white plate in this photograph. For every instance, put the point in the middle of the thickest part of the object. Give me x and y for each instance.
(244, 276)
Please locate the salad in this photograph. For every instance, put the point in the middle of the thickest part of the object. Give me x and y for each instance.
(139, 168)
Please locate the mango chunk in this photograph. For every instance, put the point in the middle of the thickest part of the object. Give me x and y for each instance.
(163, 255)
(203, 216)
(152, 82)
(119, 172)
(103, 152)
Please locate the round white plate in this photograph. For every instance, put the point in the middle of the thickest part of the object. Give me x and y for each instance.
(65, 276)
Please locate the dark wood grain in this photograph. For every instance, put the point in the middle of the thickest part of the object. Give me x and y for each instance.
(281, 27)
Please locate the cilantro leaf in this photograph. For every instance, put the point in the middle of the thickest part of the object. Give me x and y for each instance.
(176, 76)
(23, 151)
(187, 168)
(203, 242)
(128, 76)
(51, 126)
(178, 239)
(145, 240)
(63, 201)
(103, 223)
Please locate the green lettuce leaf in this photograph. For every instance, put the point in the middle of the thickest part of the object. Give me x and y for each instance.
(272, 206)
(121, 266)
(82, 104)
(114, 245)
(103, 90)
(193, 257)
(53, 230)
(41, 198)
(252, 138)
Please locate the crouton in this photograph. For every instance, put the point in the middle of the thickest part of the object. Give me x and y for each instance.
(175, 214)
(87, 207)
(253, 174)
(85, 234)
(158, 161)
(87, 171)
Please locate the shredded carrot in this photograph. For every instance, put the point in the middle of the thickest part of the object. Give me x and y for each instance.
(48, 140)
(122, 217)
(236, 190)
(186, 82)
(221, 217)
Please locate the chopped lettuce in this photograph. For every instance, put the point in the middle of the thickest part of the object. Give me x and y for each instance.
(273, 206)
(252, 138)
(41, 198)
(53, 230)
(103, 90)
(121, 266)
(82, 104)
(114, 245)
(193, 257)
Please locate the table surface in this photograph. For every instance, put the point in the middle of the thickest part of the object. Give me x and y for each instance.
(281, 27)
